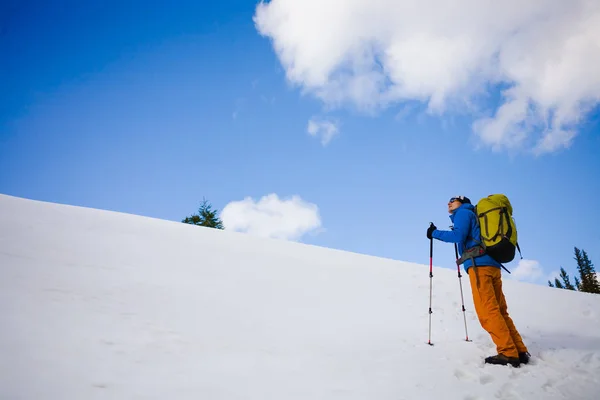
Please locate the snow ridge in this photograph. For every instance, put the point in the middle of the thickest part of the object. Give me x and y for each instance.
(104, 305)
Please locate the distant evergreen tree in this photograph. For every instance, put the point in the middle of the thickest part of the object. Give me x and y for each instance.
(206, 217)
(581, 269)
(595, 284)
(565, 277)
(558, 284)
(589, 281)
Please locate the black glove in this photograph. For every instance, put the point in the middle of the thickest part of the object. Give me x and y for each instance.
(430, 230)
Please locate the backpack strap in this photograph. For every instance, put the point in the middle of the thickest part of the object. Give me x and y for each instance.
(471, 253)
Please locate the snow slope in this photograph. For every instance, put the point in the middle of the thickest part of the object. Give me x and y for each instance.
(104, 305)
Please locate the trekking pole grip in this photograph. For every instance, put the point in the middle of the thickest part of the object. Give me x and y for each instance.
(431, 254)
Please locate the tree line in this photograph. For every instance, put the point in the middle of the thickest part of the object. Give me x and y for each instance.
(587, 281)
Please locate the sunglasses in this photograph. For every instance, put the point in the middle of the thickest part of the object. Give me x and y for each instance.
(453, 199)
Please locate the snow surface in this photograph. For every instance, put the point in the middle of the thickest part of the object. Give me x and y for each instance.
(104, 305)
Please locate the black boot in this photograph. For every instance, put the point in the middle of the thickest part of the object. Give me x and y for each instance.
(524, 357)
(501, 359)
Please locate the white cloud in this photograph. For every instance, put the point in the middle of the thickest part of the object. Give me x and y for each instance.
(375, 53)
(272, 217)
(327, 129)
(527, 270)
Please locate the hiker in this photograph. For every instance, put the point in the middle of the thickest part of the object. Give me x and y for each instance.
(486, 284)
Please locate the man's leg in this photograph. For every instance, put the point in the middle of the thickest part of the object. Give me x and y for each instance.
(516, 337)
(488, 310)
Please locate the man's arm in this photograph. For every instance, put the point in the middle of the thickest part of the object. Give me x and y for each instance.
(460, 231)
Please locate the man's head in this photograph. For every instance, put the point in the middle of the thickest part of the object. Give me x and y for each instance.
(457, 201)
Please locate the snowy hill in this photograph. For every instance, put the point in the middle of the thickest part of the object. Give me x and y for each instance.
(104, 305)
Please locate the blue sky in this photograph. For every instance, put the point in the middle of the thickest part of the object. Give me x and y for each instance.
(147, 108)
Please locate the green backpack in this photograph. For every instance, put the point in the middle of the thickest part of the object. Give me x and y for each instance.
(498, 229)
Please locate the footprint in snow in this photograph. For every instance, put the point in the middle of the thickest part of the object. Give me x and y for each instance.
(591, 360)
(588, 313)
(549, 386)
(507, 392)
(100, 385)
(465, 375)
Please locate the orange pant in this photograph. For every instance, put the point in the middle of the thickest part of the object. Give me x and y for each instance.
(491, 309)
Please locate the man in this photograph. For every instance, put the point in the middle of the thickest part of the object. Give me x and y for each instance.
(486, 284)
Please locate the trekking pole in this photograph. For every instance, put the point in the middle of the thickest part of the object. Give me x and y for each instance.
(461, 292)
(430, 283)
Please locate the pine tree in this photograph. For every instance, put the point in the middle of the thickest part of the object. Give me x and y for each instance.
(581, 269)
(206, 217)
(566, 282)
(592, 284)
(558, 284)
(565, 277)
(588, 282)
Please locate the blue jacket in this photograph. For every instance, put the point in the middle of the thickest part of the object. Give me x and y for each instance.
(465, 229)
